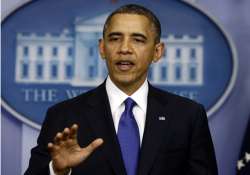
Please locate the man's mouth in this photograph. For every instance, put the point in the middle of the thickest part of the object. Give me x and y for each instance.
(125, 65)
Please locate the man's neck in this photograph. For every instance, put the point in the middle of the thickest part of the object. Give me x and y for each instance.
(127, 88)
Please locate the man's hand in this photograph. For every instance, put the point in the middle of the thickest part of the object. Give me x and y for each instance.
(66, 152)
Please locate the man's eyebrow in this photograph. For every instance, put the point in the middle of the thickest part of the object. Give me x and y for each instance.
(139, 35)
(114, 34)
(133, 34)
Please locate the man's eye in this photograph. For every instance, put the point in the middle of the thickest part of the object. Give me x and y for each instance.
(113, 39)
(139, 40)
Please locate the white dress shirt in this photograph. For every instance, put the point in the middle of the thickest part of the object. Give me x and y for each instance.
(116, 100)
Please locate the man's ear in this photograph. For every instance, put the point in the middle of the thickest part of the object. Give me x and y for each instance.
(101, 48)
(159, 51)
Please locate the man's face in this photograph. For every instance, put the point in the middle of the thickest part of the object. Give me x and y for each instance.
(129, 48)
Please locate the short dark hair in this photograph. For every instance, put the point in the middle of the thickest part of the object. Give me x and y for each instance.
(139, 10)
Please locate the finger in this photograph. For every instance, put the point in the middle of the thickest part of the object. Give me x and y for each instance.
(65, 134)
(93, 145)
(73, 131)
(58, 138)
(50, 147)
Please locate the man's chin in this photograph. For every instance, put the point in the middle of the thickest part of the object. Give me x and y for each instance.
(123, 80)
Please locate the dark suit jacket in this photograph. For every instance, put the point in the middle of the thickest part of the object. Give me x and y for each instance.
(179, 145)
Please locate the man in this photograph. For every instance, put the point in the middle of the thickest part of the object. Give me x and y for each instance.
(126, 126)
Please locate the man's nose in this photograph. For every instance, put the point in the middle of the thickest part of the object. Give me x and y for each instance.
(125, 47)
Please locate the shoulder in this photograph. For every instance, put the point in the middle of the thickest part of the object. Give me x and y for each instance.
(81, 100)
(172, 99)
(180, 107)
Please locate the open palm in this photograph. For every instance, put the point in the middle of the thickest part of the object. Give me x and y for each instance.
(66, 152)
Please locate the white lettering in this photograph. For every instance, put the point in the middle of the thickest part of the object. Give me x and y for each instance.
(193, 95)
(40, 95)
(73, 93)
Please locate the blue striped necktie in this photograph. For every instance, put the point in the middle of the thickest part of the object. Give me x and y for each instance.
(129, 138)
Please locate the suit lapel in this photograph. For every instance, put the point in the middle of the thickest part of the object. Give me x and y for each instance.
(156, 124)
(101, 122)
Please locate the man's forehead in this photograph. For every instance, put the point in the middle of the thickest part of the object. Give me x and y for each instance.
(132, 23)
(127, 17)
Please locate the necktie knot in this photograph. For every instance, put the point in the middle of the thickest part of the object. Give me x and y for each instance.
(129, 104)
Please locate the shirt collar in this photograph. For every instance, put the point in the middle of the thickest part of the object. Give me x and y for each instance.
(117, 96)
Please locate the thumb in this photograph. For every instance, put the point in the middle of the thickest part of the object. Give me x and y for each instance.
(92, 146)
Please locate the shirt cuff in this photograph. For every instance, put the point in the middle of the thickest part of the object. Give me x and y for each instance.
(51, 171)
